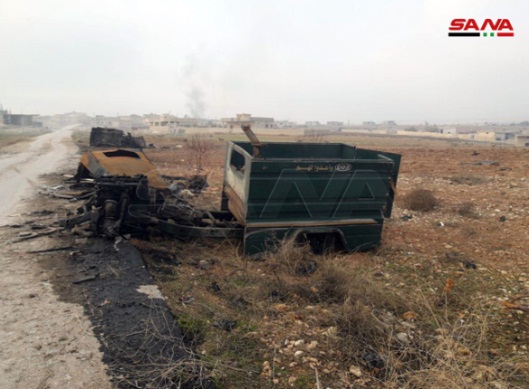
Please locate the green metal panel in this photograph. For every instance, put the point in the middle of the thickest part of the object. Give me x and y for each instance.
(303, 186)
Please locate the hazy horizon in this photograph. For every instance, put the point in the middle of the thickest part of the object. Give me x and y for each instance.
(291, 60)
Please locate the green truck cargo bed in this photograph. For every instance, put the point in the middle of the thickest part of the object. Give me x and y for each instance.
(327, 193)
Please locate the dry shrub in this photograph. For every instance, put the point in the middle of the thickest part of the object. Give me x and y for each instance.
(440, 352)
(332, 284)
(200, 147)
(368, 308)
(467, 209)
(313, 136)
(300, 274)
(290, 262)
(291, 257)
(421, 200)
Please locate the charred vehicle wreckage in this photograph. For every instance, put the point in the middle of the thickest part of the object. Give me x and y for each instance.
(332, 195)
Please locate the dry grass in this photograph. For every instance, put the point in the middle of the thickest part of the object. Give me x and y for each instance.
(353, 309)
(467, 209)
(401, 328)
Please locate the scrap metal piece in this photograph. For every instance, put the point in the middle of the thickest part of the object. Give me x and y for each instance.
(110, 137)
(256, 143)
(117, 163)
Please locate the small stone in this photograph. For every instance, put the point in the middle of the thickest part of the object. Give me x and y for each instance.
(299, 342)
(356, 371)
(312, 345)
(298, 354)
(403, 337)
(203, 264)
(281, 307)
(331, 332)
(498, 385)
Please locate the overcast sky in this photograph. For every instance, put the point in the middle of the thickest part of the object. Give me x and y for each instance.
(290, 59)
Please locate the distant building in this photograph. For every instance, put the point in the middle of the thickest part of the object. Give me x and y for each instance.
(335, 123)
(313, 123)
(522, 140)
(246, 118)
(448, 131)
(484, 136)
(2, 113)
(18, 119)
(504, 136)
(389, 123)
(285, 124)
(170, 124)
(369, 124)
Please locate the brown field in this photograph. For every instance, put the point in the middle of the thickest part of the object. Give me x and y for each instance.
(434, 307)
(14, 139)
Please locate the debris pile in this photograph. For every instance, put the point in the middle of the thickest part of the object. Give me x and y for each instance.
(126, 195)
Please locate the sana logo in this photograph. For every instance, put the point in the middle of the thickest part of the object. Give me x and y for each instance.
(489, 27)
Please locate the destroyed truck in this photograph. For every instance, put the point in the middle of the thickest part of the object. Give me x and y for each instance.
(331, 195)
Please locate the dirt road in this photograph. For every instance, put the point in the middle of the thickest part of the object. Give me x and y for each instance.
(45, 343)
(19, 171)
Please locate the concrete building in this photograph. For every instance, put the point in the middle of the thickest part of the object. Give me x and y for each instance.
(448, 131)
(503, 136)
(484, 136)
(522, 140)
(246, 118)
(286, 124)
(18, 119)
(369, 124)
(169, 124)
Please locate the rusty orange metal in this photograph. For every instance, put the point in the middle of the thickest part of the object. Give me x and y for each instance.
(122, 162)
